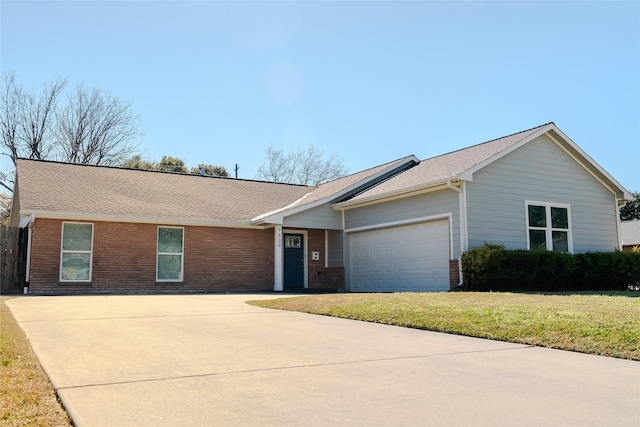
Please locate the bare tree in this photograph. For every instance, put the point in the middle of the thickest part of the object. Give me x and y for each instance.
(9, 122)
(96, 128)
(306, 167)
(277, 168)
(26, 122)
(37, 113)
(10, 116)
(91, 128)
(5, 209)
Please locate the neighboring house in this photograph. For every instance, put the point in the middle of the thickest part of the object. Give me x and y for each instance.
(630, 234)
(400, 226)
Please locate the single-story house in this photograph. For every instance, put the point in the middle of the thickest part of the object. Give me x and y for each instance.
(399, 226)
(630, 234)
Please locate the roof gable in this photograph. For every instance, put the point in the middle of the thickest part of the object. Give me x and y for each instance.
(462, 164)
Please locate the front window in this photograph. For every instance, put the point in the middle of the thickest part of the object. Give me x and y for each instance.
(76, 253)
(170, 254)
(548, 227)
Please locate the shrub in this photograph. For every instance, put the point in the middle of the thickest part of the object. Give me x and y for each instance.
(492, 267)
(608, 270)
(479, 265)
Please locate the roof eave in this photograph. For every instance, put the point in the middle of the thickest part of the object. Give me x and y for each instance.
(197, 222)
(277, 217)
(440, 184)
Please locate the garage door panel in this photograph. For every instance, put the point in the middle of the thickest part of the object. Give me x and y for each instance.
(405, 258)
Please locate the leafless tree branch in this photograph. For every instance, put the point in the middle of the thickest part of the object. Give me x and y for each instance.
(36, 113)
(91, 128)
(306, 167)
(96, 128)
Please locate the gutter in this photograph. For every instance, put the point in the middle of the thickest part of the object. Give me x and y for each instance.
(196, 222)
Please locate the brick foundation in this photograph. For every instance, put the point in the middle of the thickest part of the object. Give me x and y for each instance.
(454, 274)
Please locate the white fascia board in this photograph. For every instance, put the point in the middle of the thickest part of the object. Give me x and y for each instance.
(626, 195)
(197, 222)
(468, 174)
(277, 216)
(397, 194)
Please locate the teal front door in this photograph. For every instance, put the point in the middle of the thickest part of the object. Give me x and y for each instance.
(293, 261)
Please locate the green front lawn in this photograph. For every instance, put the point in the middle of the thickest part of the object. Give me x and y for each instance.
(607, 325)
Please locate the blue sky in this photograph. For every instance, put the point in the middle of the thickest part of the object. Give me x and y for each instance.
(219, 82)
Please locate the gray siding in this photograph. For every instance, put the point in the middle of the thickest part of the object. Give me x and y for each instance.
(322, 217)
(335, 244)
(423, 205)
(539, 171)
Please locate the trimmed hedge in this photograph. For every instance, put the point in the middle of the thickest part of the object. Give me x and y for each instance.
(494, 268)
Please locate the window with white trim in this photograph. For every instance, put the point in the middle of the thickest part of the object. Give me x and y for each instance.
(76, 252)
(549, 227)
(170, 254)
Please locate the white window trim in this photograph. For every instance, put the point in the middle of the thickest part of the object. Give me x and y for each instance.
(548, 229)
(181, 278)
(90, 252)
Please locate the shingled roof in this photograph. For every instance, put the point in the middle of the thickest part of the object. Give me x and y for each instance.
(78, 191)
(105, 193)
(341, 187)
(447, 166)
(630, 233)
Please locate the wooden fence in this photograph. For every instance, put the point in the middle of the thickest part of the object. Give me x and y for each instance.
(13, 259)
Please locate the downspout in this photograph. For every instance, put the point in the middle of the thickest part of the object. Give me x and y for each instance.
(619, 204)
(344, 253)
(32, 219)
(344, 240)
(462, 208)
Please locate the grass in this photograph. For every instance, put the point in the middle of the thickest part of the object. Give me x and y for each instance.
(27, 398)
(606, 325)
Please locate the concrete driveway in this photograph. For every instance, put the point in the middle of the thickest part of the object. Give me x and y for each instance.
(196, 360)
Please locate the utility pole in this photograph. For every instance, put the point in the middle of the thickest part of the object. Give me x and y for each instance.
(236, 169)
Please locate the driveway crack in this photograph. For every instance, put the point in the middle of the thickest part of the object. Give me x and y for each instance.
(282, 368)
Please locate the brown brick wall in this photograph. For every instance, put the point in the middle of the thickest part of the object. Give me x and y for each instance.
(124, 259)
(45, 252)
(321, 277)
(215, 260)
(454, 273)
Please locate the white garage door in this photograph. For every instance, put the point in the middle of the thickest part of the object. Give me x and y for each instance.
(406, 258)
